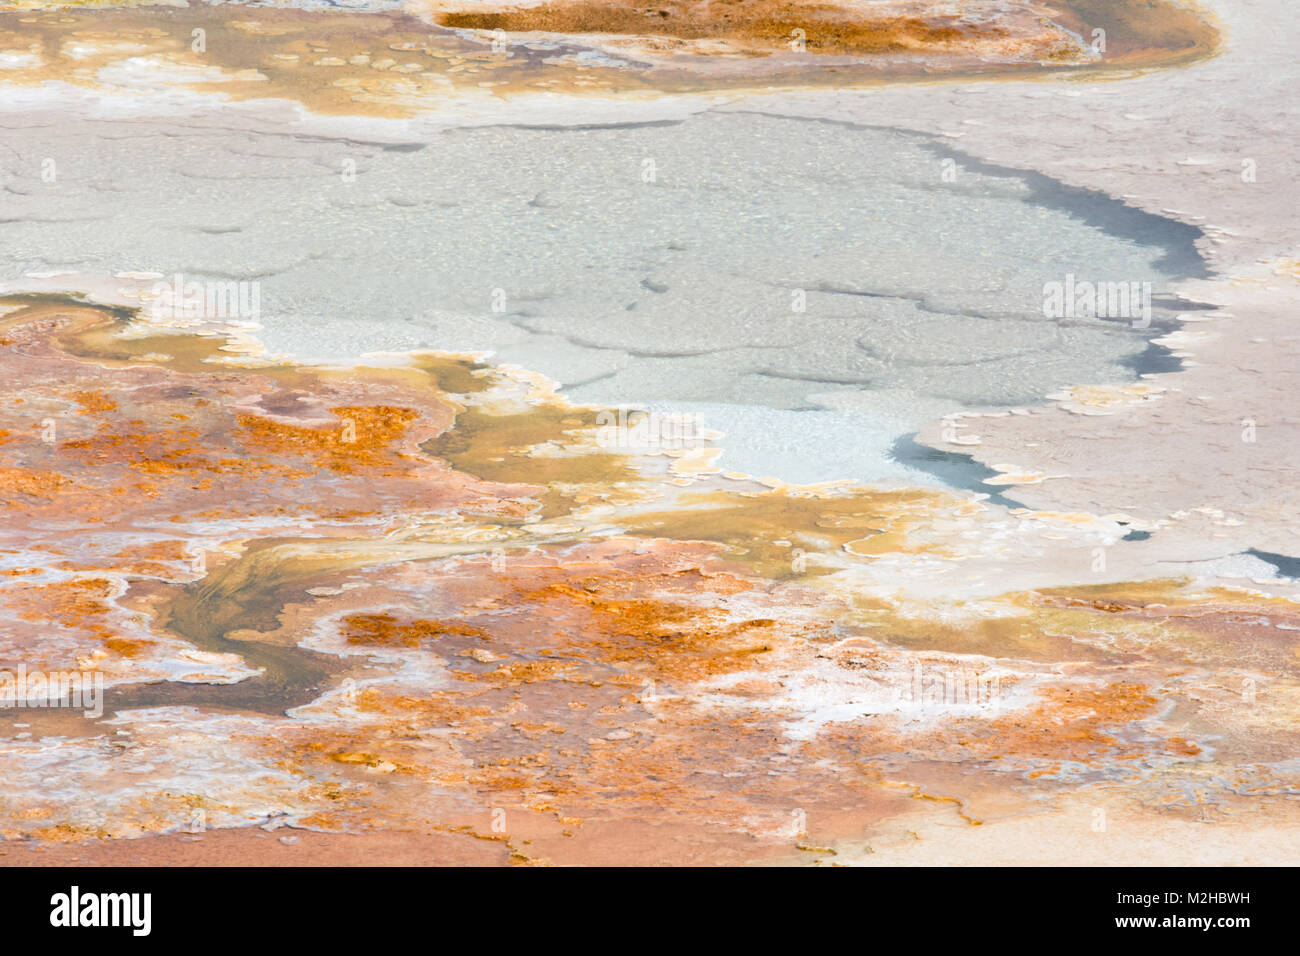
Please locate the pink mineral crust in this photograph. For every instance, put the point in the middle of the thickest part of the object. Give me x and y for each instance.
(295, 603)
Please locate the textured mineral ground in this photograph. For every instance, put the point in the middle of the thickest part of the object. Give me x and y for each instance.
(585, 433)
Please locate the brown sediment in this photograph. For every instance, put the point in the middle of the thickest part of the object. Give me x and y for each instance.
(335, 63)
(655, 637)
(1130, 596)
(364, 434)
(442, 709)
(1041, 636)
(159, 558)
(1145, 32)
(753, 25)
(784, 532)
(498, 446)
(1107, 727)
(380, 630)
(1139, 33)
(389, 64)
(184, 441)
(454, 376)
(76, 603)
(30, 483)
(94, 403)
(1069, 724)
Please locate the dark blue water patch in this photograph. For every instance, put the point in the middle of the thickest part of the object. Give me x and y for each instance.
(1158, 359)
(1152, 360)
(952, 468)
(1094, 207)
(1176, 240)
(1136, 535)
(1286, 565)
(1176, 303)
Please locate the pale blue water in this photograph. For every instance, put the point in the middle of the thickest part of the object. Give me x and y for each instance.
(660, 264)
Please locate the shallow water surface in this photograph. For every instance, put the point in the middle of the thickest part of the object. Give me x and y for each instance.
(812, 290)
